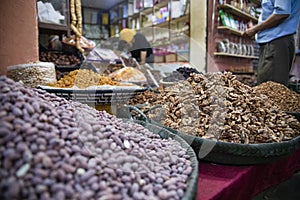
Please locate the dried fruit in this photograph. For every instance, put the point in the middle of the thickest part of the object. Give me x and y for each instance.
(83, 78)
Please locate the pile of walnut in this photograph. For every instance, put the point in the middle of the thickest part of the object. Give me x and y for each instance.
(247, 79)
(83, 78)
(280, 95)
(217, 106)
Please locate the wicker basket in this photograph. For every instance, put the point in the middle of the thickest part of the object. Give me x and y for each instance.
(230, 153)
(95, 97)
(238, 154)
(295, 114)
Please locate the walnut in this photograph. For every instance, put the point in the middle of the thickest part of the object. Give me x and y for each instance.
(280, 95)
(217, 106)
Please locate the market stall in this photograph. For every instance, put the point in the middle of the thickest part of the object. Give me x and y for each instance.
(88, 121)
(227, 170)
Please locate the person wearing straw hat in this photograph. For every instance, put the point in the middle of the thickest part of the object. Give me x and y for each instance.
(137, 45)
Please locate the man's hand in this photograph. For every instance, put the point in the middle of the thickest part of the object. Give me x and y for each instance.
(270, 22)
(250, 32)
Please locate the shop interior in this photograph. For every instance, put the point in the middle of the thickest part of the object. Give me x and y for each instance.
(212, 44)
(78, 113)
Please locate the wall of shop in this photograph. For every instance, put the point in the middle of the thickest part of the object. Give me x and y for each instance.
(198, 26)
(18, 33)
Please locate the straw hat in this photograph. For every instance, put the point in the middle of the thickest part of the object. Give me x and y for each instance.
(127, 34)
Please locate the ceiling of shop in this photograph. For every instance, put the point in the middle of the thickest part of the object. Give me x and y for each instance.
(101, 4)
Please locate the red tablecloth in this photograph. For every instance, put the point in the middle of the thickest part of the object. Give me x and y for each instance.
(243, 182)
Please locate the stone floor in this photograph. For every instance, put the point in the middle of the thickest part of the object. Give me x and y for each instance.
(288, 190)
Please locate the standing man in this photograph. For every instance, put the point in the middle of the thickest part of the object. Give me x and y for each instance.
(275, 33)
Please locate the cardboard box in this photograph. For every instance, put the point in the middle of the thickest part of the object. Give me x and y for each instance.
(171, 57)
(159, 59)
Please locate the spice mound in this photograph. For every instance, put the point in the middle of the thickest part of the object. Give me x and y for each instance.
(217, 106)
(83, 78)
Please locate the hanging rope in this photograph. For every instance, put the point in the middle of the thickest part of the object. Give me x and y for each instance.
(76, 23)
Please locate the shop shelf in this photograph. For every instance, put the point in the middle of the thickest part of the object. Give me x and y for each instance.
(163, 24)
(234, 55)
(135, 15)
(161, 4)
(230, 30)
(147, 11)
(244, 73)
(238, 12)
(179, 19)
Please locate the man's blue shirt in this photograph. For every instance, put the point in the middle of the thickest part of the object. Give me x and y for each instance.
(287, 27)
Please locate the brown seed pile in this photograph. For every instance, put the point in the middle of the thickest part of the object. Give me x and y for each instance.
(219, 107)
(51, 148)
(83, 78)
(59, 59)
(284, 98)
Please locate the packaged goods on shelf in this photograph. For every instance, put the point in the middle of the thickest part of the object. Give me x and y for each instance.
(234, 17)
(47, 13)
